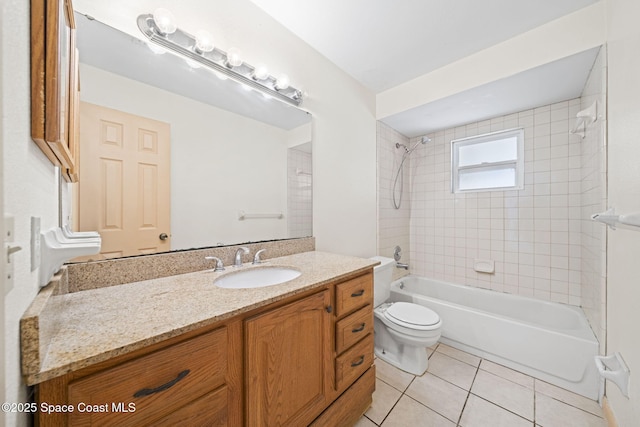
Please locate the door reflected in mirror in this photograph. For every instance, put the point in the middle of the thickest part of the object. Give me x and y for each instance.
(238, 164)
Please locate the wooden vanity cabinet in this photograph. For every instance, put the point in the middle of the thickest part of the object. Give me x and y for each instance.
(197, 377)
(310, 361)
(304, 360)
(288, 362)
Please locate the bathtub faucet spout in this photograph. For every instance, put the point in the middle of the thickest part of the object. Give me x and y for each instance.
(402, 265)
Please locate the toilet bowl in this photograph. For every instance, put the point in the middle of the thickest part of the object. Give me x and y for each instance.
(402, 330)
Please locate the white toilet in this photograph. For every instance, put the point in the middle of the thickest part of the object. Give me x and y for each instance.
(403, 330)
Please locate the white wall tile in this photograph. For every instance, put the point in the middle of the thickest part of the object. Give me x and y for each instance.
(540, 237)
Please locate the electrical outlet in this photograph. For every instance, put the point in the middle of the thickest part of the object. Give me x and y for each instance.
(35, 243)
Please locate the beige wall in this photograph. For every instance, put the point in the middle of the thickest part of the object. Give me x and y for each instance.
(623, 253)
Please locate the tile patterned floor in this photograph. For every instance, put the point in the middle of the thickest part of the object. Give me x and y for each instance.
(460, 389)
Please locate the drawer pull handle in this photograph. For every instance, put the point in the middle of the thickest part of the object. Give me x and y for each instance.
(358, 363)
(359, 329)
(149, 391)
(358, 294)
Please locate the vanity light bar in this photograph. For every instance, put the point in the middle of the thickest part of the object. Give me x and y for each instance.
(184, 43)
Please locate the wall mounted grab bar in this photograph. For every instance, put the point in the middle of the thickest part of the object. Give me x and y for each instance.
(242, 215)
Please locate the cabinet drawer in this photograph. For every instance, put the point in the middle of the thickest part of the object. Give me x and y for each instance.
(353, 362)
(157, 384)
(353, 294)
(209, 410)
(353, 328)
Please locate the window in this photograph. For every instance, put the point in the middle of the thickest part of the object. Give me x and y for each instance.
(493, 161)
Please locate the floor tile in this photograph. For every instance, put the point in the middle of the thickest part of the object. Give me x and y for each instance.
(459, 355)
(365, 422)
(408, 412)
(504, 393)
(480, 413)
(392, 375)
(430, 350)
(439, 395)
(507, 373)
(568, 397)
(384, 398)
(452, 370)
(553, 413)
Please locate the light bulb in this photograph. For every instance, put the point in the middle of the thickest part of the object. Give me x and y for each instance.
(283, 82)
(261, 72)
(204, 41)
(165, 21)
(234, 57)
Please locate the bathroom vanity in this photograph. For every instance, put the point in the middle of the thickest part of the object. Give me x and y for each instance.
(181, 350)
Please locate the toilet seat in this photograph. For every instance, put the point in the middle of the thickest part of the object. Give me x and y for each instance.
(412, 316)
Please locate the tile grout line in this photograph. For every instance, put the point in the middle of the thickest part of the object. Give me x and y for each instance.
(397, 401)
(468, 394)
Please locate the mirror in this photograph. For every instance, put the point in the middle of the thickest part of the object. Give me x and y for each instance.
(240, 162)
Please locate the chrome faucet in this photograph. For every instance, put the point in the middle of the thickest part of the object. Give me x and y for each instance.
(237, 260)
(256, 257)
(402, 265)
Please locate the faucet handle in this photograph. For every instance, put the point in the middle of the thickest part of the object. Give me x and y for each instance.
(256, 257)
(219, 266)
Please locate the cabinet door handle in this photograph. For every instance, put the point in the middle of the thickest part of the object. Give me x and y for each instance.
(359, 329)
(358, 294)
(149, 391)
(329, 309)
(358, 363)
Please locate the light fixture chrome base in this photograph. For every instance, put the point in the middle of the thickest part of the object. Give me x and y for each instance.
(183, 43)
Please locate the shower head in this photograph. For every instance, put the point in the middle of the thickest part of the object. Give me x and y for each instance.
(408, 150)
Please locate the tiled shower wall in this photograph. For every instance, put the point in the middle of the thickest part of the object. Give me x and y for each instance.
(532, 235)
(594, 199)
(299, 182)
(542, 239)
(393, 224)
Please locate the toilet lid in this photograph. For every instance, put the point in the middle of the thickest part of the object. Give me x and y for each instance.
(413, 314)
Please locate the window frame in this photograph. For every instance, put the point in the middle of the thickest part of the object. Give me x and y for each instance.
(518, 163)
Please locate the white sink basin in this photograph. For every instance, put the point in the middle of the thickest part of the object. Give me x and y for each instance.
(256, 277)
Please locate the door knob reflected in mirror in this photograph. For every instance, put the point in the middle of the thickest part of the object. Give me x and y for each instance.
(163, 236)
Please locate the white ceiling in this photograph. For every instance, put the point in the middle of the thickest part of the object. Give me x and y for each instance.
(383, 43)
(553, 82)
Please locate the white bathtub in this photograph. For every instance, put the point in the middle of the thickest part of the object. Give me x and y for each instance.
(549, 341)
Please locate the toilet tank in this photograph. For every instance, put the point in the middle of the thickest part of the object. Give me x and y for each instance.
(382, 279)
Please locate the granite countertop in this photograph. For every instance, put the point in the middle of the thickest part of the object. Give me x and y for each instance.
(95, 325)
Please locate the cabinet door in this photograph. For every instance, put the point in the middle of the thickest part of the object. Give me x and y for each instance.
(289, 363)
